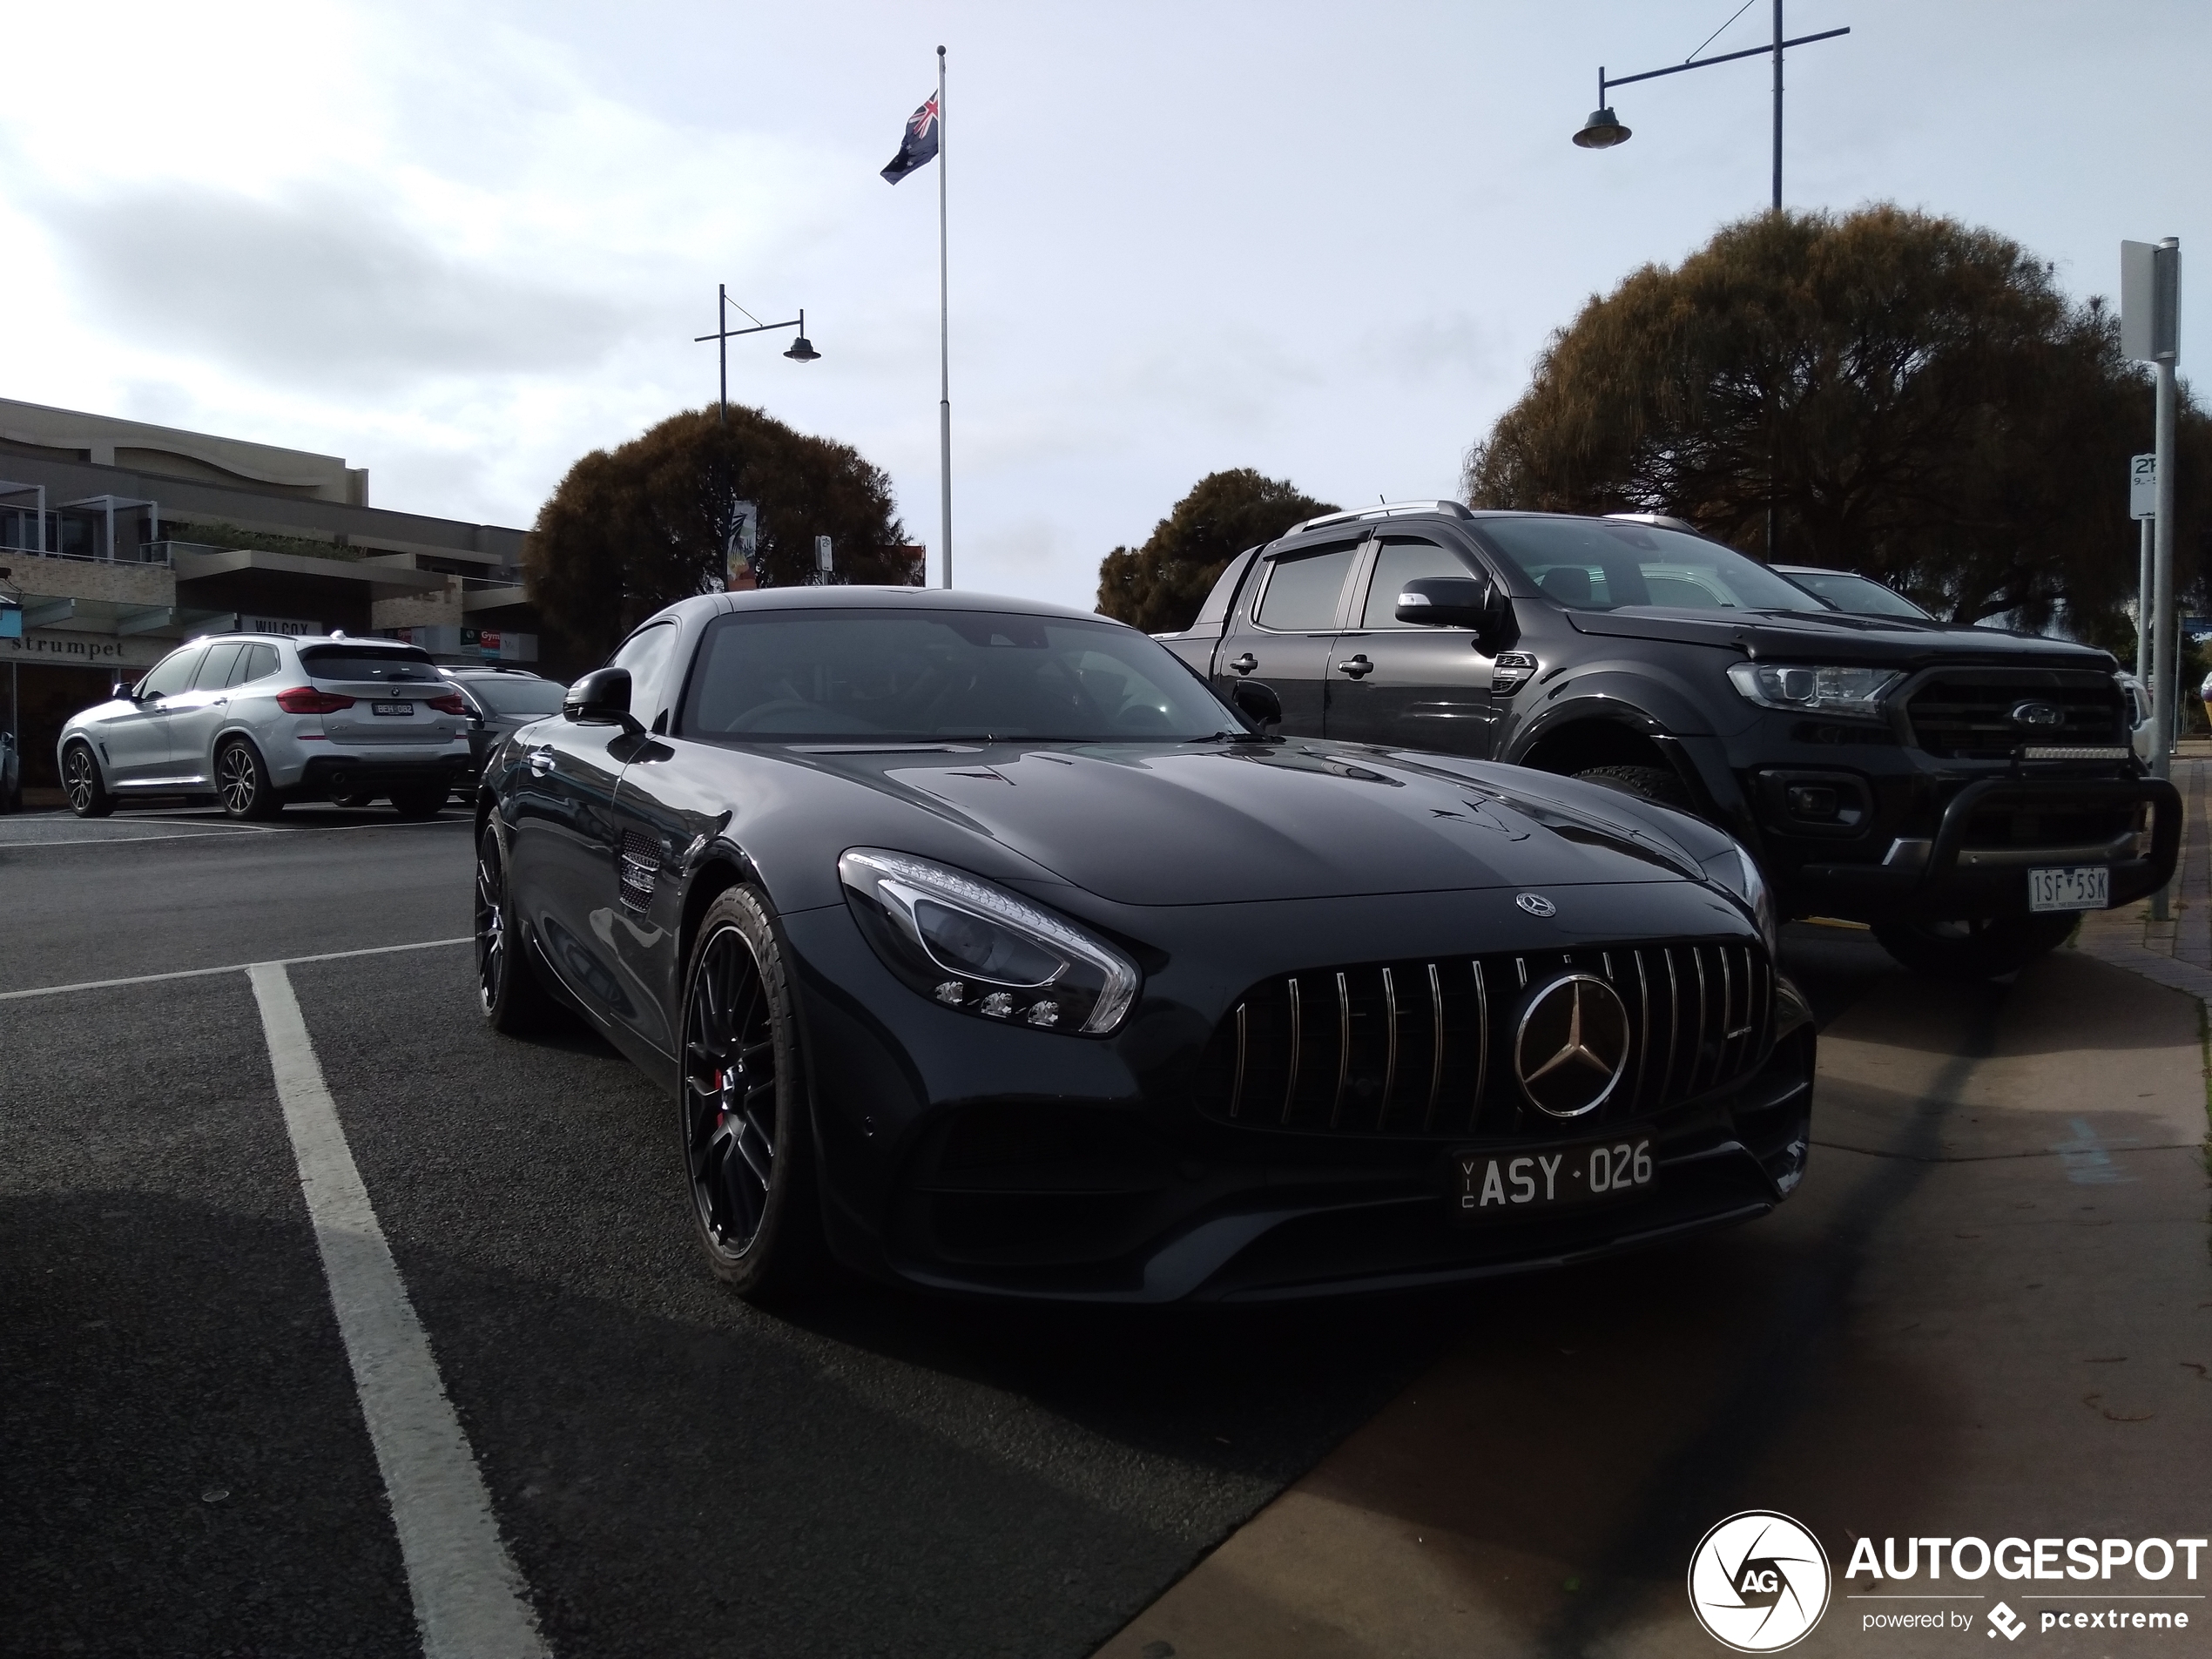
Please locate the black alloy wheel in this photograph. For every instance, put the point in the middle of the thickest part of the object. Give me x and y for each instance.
(1987, 947)
(242, 782)
(1654, 783)
(88, 795)
(509, 990)
(746, 1146)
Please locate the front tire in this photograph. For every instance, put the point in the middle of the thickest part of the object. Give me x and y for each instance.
(1654, 783)
(419, 803)
(509, 992)
(747, 1139)
(88, 793)
(242, 782)
(1973, 950)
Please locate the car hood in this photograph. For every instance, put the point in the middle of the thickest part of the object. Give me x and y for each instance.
(1181, 825)
(1840, 637)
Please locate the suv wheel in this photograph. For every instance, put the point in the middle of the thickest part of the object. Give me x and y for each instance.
(742, 1114)
(88, 795)
(1972, 950)
(242, 782)
(419, 803)
(1654, 783)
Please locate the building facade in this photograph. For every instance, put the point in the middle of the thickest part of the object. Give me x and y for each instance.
(118, 540)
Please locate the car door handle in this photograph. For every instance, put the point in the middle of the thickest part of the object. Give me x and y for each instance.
(1245, 664)
(1356, 666)
(540, 760)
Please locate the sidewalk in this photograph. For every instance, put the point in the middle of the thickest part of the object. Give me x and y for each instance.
(2176, 952)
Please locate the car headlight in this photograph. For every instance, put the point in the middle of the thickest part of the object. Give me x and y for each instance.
(1737, 871)
(962, 942)
(1849, 692)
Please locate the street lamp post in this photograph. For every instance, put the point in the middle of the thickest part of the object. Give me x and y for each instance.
(1603, 131)
(801, 350)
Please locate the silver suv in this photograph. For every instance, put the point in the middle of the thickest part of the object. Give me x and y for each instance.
(257, 719)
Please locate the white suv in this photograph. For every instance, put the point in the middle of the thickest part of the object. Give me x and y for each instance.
(256, 719)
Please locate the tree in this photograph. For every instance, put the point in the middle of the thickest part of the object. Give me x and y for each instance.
(1915, 398)
(1159, 587)
(633, 529)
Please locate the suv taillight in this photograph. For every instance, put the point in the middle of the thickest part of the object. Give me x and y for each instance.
(450, 703)
(304, 699)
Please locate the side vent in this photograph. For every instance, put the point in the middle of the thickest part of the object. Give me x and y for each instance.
(639, 868)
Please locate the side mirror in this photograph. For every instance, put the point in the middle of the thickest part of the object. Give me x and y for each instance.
(1457, 602)
(601, 698)
(1257, 701)
(123, 692)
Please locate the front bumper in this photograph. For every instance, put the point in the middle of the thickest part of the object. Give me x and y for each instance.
(999, 1161)
(1961, 866)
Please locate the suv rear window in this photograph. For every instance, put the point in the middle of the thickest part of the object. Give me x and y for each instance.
(359, 663)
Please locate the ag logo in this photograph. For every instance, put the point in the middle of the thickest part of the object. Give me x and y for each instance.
(1759, 1583)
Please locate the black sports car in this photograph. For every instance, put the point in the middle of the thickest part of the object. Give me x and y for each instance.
(986, 949)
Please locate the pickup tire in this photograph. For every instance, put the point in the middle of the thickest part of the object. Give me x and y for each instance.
(1654, 783)
(1973, 950)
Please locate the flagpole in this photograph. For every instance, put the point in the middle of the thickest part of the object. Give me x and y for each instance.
(944, 340)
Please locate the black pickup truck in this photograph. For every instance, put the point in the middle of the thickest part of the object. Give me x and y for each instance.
(1964, 791)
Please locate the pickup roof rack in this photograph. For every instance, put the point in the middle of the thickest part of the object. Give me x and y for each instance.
(1388, 509)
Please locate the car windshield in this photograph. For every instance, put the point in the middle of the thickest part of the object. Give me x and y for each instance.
(518, 699)
(1591, 564)
(832, 676)
(357, 662)
(1860, 595)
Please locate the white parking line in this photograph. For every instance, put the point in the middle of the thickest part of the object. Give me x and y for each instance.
(273, 829)
(228, 967)
(470, 1599)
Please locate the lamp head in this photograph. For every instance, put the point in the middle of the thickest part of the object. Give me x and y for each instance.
(1601, 132)
(802, 350)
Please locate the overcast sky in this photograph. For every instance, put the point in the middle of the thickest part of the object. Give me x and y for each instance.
(463, 246)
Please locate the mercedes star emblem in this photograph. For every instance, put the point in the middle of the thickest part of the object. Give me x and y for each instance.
(1535, 904)
(1572, 1045)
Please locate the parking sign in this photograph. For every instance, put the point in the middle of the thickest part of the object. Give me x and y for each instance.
(2142, 485)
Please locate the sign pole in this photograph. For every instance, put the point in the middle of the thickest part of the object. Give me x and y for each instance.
(944, 340)
(2143, 604)
(2150, 311)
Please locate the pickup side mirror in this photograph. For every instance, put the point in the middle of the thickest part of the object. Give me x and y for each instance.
(1257, 701)
(1456, 602)
(601, 698)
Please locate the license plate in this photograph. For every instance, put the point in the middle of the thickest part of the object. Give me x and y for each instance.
(1502, 1185)
(393, 708)
(2085, 886)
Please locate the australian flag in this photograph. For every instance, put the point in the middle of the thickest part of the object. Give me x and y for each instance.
(918, 146)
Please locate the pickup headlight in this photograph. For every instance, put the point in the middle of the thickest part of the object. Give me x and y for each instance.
(963, 942)
(1849, 692)
(1738, 872)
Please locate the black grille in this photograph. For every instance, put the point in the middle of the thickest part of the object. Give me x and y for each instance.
(1415, 1049)
(1969, 716)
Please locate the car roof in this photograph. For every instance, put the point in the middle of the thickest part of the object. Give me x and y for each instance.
(857, 598)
